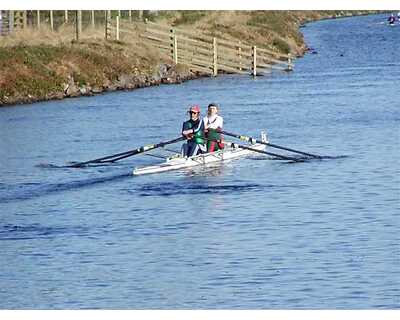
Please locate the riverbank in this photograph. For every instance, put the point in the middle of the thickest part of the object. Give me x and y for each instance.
(45, 72)
(43, 65)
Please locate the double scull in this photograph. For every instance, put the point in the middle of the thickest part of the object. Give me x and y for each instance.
(177, 161)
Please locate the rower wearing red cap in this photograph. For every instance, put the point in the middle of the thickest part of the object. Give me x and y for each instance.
(193, 131)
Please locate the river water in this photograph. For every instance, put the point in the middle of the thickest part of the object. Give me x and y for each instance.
(249, 234)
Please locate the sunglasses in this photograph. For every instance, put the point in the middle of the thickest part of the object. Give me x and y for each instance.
(193, 112)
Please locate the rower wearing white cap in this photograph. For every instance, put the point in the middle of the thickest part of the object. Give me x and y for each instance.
(213, 123)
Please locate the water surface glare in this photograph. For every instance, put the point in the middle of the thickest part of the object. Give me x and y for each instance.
(247, 234)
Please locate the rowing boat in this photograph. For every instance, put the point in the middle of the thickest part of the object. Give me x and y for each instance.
(177, 161)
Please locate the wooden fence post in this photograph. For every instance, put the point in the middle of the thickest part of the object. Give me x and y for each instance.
(38, 18)
(78, 24)
(117, 28)
(130, 15)
(173, 45)
(24, 19)
(65, 16)
(254, 54)
(10, 21)
(92, 17)
(18, 20)
(240, 56)
(290, 66)
(175, 49)
(107, 23)
(215, 57)
(140, 15)
(51, 20)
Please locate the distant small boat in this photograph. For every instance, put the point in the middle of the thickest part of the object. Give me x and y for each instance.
(391, 20)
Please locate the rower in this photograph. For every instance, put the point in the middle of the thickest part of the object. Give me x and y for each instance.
(213, 123)
(193, 131)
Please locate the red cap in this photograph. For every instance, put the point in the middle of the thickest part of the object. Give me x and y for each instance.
(195, 108)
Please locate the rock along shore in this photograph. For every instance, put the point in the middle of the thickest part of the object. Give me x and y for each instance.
(167, 74)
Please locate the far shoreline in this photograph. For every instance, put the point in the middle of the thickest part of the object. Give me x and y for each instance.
(163, 73)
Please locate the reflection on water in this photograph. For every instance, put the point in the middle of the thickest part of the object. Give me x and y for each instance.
(211, 169)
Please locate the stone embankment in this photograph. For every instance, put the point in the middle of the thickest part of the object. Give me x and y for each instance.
(167, 74)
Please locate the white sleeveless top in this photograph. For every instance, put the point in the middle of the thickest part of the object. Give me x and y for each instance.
(213, 122)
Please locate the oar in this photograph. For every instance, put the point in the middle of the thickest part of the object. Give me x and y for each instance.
(250, 139)
(126, 154)
(279, 156)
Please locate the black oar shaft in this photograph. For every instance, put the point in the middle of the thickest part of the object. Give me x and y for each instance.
(126, 154)
(293, 150)
(253, 140)
(282, 157)
(104, 159)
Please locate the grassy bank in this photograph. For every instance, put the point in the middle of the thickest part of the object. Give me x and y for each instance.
(275, 30)
(44, 65)
(38, 66)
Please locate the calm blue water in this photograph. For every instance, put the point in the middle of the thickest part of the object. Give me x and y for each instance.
(250, 234)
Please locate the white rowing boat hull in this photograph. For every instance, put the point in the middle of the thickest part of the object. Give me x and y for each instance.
(179, 162)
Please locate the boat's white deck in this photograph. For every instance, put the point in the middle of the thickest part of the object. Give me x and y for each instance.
(177, 161)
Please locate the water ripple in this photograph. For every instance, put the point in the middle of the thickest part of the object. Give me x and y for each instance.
(38, 231)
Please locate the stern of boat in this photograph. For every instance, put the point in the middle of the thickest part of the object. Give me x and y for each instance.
(264, 136)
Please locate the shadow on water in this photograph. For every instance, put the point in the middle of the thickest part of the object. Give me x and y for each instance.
(200, 188)
(38, 231)
(335, 157)
(33, 190)
(71, 165)
(300, 159)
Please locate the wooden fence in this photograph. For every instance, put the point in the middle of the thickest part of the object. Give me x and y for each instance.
(12, 21)
(212, 55)
(200, 52)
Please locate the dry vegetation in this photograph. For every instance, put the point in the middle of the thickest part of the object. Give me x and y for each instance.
(275, 30)
(38, 65)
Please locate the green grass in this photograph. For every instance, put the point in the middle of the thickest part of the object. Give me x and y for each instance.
(26, 72)
(271, 19)
(281, 45)
(42, 71)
